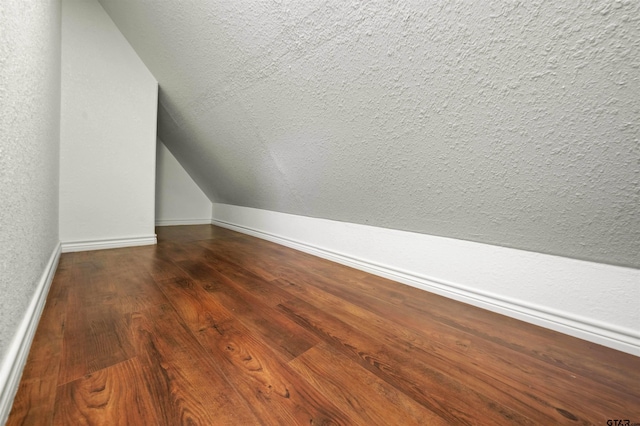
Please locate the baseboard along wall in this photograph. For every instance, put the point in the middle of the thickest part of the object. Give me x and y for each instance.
(592, 301)
(174, 222)
(72, 246)
(18, 351)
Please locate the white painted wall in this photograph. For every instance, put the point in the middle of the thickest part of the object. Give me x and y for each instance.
(29, 150)
(107, 132)
(589, 300)
(179, 200)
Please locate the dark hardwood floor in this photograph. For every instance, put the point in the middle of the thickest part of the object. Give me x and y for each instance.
(213, 327)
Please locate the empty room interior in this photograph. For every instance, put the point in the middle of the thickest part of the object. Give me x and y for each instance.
(269, 212)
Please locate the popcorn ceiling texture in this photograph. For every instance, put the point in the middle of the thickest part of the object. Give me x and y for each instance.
(29, 144)
(503, 122)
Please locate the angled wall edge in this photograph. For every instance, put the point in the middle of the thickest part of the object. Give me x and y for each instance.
(16, 356)
(587, 300)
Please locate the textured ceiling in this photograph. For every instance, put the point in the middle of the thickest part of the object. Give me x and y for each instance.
(510, 123)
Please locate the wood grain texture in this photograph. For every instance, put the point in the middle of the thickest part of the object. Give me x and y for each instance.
(186, 386)
(213, 327)
(250, 364)
(115, 395)
(455, 401)
(378, 402)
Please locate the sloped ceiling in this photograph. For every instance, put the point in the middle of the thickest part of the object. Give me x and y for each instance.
(510, 123)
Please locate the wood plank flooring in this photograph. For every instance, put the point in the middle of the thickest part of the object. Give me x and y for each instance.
(213, 327)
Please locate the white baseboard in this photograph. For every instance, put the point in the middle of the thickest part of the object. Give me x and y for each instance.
(174, 222)
(71, 246)
(16, 355)
(592, 301)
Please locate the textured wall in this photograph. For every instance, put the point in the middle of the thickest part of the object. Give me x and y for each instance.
(107, 130)
(178, 197)
(29, 149)
(510, 123)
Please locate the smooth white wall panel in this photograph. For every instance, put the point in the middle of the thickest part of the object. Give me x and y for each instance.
(108, 131)
(179, 200)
